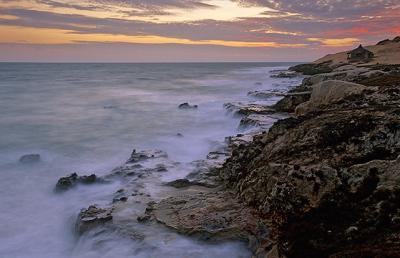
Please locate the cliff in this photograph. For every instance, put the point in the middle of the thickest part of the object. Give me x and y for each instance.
(327, 179)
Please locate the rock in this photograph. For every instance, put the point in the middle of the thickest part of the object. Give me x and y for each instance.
(92, 217)
(286, 74)
(68, 182)
(265, 94)
(248, 108)
(30, 158)
(207, 215)
(146, 155)
(383, 42)
(291, 101)
(187, 106)
(328, 92)
(315, 176)
(312, 68)
(183, 183)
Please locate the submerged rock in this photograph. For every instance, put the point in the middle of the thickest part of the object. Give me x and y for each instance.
(68, 182)
(92, 217)
(187, 106)
(30, 158)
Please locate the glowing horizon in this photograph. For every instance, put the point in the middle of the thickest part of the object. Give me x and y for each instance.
(277, 28)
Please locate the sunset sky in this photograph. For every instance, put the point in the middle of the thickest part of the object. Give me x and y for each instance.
(190, 30)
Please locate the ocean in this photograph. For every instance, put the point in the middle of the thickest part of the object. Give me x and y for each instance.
(87, 118)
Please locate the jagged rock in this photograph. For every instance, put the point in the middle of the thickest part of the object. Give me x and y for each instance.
(92, 217)
(312, 68)
(248, 108)
(265, 94)
(182, 183)
(286, 74)
(187, 106)
(315, 176)
(66, 183)
(291, 101)
(30, 158)
(145, 155)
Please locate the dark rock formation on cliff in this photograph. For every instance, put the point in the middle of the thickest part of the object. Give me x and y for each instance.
(328, 180)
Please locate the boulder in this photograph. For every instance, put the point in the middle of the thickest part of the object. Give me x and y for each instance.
(68, 182)
(92, 217)
(328, 92)
(291, 101)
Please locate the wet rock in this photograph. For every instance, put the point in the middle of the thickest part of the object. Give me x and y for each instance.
(30, 158)
(260, 121)
(68, 182)
(312, 68)
(315, 176)
(92, 217)
(187, 106)
(291, 101)
(265, 94)
(207, 215)
(286, 74)
(146, 155)
(183, 183)
(248, 108)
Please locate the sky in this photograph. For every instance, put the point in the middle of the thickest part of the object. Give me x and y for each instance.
(190, 30)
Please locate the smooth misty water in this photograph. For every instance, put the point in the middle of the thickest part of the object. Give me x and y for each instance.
(87, 118)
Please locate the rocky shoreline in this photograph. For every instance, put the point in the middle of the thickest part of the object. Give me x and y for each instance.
(326, 180)
(322, 181)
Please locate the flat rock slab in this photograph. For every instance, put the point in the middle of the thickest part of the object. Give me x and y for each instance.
(210, 215)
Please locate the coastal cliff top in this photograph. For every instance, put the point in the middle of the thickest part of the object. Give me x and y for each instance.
(385, 52)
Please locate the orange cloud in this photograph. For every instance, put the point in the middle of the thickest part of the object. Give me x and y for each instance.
(27, 35)
(343, 42)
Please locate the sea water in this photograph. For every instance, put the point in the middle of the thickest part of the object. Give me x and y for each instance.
(87, 118)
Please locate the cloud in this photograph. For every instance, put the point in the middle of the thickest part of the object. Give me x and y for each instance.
(335, 42)
(157, 4)
(325, 8)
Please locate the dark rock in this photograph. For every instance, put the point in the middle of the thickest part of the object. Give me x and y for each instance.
(187, 106)
(291, 101)
(145, 155)
(312, 69)
(182, 183)
(92, 217)
(30, 158)
(248, 108)
(286, 74)
(316, 176)
(66, 183)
